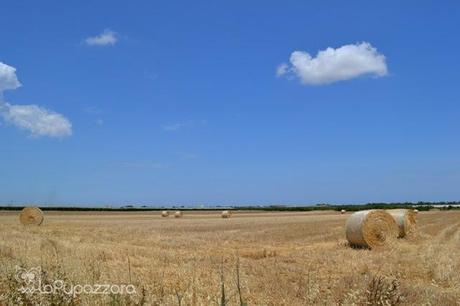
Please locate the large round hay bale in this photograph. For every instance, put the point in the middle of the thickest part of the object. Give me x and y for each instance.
(31, 216)
(343, 211)
(405, 219)
(178, 214)
(370, 228)
(226, 214)
(165, 213)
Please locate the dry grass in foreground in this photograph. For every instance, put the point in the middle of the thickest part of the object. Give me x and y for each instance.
(251, 258)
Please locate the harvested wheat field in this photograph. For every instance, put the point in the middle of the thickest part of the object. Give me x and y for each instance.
(251, 258)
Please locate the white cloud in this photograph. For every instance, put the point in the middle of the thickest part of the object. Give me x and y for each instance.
(332, 65)
(35, 119)
(282, 69)
(106, 38)
(8, 78)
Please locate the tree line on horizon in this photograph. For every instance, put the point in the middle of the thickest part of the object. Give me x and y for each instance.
(421, 206)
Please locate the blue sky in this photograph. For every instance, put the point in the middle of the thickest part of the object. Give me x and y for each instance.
(180, 103)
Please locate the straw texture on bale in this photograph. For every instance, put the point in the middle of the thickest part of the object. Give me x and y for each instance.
(178, 214)
(31, 216)
(165, 213)
(226, 214)
(405, 219)
(370, 228)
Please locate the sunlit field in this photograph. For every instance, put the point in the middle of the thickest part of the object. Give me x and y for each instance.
(251, 258)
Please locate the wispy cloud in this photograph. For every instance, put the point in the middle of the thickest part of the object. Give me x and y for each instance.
(37, 120)
(181, 125)
(282, 69)
(106, 38)
(332, 65)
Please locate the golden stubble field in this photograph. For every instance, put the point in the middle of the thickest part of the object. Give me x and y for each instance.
(250, 259)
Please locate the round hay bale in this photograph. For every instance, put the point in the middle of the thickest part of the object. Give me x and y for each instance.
(165, 213)
(405, 219)
(370, 228)
(416, 211)
(343, 211)
(226, 214)
(31, 216)
(178, 214)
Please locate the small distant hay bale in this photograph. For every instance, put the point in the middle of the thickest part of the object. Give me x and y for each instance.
(416, 211)
(165, 213)
(226, 214)
(31, 216)
(178, 214)
(370, 228)
(343, 211)
(405, 219)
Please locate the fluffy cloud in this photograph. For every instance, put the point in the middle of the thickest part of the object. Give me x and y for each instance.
(35, 119)
(332, 65)
(106, 38)
(282, 69)
(8, 79)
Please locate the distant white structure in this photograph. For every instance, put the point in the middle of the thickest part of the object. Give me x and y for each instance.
(440, 205)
